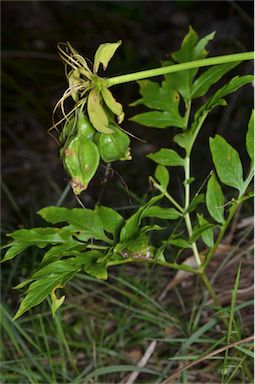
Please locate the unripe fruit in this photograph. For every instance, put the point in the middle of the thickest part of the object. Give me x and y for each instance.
(81, 160)
(114, 146)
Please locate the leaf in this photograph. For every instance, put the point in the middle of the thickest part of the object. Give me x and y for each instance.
(71, 248)
(162, 176)
(180, 243)
(93, 266)
(158, 119)
(164, 99)
(55, 302)
(104, 54)
(207, 235)
(186, 139)
(227, 89)
(85, 221)
(250, 137)
(60, 267)
(210, 77)
(39, 290)
(198, 199)
(227, 162)
(14, 250)
(167, 157)
(191, 49)
(215, 200)
(41, 236)
(162, 213)
(112, 221)
(131, 227)
(97, 115)
(199, 230)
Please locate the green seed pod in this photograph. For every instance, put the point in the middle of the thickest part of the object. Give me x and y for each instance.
(84, 126)
(81, 160)
(114, 146)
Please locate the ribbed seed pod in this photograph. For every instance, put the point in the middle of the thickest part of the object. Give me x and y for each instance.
(114, 146)
(81, 159)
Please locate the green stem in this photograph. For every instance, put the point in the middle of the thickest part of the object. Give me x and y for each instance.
(187, 188)
(187, 216)
(166, 194)
(181, 267)
(178, 67)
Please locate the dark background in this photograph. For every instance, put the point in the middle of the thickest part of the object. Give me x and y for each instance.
(33, 80)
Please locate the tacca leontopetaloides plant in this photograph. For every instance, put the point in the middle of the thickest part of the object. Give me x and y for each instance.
(94, 240)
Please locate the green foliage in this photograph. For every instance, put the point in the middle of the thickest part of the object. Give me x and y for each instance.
(162, 175)
(215, 200)
(227, 162)
(167, 157)
(165, 102)
(202, 84)
(92, 240)
(250, 137)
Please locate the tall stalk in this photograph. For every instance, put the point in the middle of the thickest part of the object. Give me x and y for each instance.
(178, 67)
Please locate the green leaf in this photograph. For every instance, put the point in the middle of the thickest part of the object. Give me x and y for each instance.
(162, 213)
(199, 230)
(55, 302)
(198, 199)
(180, 243)
(227, 162)
(186, 139)
(207, 235)
(131, 227)
(191, 49)
(227, 89)
(250, 137)
(94, 265)
(41, 236)
(60, 267)
(215, 200)
(14, 250)
(104, 54)
(85, 221)
(210, 77)
(40, 289)
(158, 119)
(167, 157)
(112, 221)
(164, 99)
(162, 176)
(71, 248)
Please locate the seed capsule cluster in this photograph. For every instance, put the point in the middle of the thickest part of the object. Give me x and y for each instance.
(83, 146)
